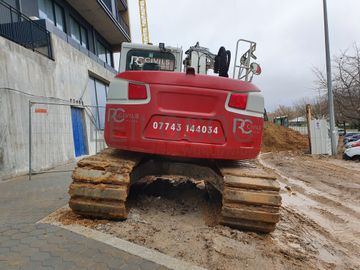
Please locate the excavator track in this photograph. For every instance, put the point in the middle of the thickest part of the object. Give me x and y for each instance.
(250, 197)
(101, 184)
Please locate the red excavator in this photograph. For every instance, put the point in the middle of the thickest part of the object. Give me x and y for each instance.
(164, 123)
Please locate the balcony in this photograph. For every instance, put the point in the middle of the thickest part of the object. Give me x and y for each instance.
(108, 23)
(20, 29)
(121, 4)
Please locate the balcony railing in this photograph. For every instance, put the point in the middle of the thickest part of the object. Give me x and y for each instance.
(124, 3)
(19, 28)
(106, 4)
(123, 23)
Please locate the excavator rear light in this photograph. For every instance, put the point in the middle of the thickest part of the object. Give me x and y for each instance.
(137, 91)
(238, 101)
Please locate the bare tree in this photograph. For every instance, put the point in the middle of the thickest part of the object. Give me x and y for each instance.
(318, 105)
(346, 86)
(298, 109)
(283, 110)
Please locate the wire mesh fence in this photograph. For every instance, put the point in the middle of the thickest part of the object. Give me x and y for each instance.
(59, 133)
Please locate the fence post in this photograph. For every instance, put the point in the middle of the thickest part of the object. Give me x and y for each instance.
(96, 142)
(50, 52)
(30, 139)
(32, 37)
(308, 119)
(12, 24)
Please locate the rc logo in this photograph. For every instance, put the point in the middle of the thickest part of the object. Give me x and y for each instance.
(244, 125)
(118, 115)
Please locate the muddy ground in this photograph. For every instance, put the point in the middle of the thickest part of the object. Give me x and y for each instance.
(319, 226)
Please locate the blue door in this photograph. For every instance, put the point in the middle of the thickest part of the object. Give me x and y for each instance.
(79, 136)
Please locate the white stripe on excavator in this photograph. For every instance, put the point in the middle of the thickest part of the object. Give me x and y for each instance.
(134, 249)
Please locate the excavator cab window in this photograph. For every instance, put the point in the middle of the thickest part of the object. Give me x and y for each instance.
(150, 60)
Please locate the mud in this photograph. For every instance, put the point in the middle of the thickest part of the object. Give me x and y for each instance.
(279, 138)
(319, 226)
(326, 192)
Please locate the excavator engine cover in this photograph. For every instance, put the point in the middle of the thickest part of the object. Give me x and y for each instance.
(184, 115)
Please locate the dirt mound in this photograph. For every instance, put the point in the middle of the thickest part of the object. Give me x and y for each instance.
(278, 138)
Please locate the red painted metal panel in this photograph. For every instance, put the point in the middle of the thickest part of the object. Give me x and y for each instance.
(195, 102)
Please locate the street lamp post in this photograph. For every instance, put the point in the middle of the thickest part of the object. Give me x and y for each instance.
(329, 83)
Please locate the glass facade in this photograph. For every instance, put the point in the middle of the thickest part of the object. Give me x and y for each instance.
(75, 30)
(53, 12)
(84, 37)
(104, 54)
(59, 17)
(65, 18)
(101, 51)
(98, 93)
(78, 33)
(46, 10)
(13, 3)
(6, 17)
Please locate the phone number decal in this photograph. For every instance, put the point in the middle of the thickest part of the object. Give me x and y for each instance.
(189, 128)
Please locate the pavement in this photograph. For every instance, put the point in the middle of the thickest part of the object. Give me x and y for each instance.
(26, 244)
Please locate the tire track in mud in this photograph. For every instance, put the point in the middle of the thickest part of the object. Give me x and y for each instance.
(316, 199)
(335, 166)
(320, 184)
(346, 165)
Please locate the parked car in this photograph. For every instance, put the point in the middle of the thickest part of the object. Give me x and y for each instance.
(352, 144)
(349, 134)
(341, 132)
(352, 138)
(352, 153)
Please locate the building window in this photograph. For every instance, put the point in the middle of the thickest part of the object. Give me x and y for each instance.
(46, 10)
(84, 38)
(101, 51)
(59, 17)
(98, 92)
(78, 33)
(13, 3)
(52, 12)
(104, 54)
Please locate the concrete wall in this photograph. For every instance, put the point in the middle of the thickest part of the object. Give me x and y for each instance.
(26, 75)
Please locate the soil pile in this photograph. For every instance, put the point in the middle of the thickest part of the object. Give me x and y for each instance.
(279, 138)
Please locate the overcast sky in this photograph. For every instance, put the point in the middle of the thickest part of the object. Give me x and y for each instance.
(289, 34)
